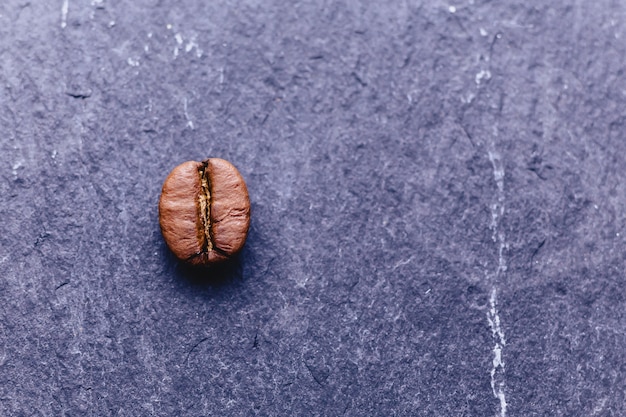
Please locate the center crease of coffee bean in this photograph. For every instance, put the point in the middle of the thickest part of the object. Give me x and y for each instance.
(205, 207)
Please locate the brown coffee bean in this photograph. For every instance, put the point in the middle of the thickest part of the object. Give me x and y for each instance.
(204, 211)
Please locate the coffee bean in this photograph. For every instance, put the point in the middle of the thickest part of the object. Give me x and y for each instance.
(204, 211)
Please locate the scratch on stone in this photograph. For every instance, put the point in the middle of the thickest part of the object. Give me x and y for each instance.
(179, 42)
(402, 263)
(482, 75)
(193, 347)
(189, 122)
(64, 9)
(16, 165)
(193, 44)
(497, 372)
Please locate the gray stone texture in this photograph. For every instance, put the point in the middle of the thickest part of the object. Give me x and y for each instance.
(438, 203)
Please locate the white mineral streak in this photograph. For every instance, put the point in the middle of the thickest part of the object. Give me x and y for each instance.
(497, 372)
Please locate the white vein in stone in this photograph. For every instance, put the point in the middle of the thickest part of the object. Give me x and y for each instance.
(497, 372)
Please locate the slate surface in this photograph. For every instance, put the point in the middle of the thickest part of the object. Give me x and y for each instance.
(438, 208)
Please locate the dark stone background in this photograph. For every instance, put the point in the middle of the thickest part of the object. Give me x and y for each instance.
(432, 183)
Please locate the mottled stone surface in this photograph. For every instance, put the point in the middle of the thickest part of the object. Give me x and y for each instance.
(438, 201)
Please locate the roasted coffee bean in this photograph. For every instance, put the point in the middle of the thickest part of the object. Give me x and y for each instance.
(204, 211)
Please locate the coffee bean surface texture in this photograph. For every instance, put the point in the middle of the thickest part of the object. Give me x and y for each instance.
(204, 211)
